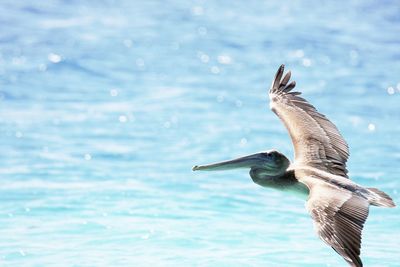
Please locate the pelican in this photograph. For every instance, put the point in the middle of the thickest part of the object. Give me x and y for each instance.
(337, 205)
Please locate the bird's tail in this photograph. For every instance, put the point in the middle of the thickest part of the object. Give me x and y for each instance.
(378, 198)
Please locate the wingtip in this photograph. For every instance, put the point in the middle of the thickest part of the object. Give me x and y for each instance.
(281, 84)
(280, 71)
(289, 87)
(277, 78)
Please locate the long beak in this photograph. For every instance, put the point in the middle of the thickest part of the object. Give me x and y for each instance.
(242, 162)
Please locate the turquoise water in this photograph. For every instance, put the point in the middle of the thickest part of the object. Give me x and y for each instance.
(106, 105)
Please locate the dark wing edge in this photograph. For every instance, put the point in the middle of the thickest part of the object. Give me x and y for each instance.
(339, 220)
(336, 151)
(280, 85)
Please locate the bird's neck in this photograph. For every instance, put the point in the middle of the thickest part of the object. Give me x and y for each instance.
(266, 179)
(259, 174)
(286, 182)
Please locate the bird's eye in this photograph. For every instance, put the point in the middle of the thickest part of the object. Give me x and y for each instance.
(269, 155)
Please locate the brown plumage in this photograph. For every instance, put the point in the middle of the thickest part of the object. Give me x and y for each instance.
(316, 140)
(338, 211)
(338, 206)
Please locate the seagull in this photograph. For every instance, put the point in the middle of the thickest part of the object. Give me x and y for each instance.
(338, 206)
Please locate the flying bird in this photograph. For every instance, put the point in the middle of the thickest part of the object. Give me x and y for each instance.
(338, 206)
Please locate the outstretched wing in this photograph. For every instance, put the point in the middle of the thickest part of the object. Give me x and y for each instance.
(338, 219)
(317, 142)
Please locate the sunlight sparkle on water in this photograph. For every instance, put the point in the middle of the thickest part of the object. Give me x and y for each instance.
(215, 70)
(306, 62)
(202, 31)
(371, 127)
(114, 92)
(299, 53)
(54, 58)
(42, 67)
(19, 60)
(123, 118)
(128, 43)
(243, 142)
(390, 90)
(205, 58)
(224, 59)
(197, 10)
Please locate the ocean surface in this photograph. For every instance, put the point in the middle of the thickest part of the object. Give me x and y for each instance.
(105, 106)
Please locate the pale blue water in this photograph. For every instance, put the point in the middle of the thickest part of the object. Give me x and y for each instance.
(106, 105)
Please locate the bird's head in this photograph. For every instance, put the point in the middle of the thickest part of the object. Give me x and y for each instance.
(270, 163)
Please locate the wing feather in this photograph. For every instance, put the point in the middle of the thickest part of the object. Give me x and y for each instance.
(317, 141)
(339, 216)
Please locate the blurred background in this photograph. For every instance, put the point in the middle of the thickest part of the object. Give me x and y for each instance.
(106, 105)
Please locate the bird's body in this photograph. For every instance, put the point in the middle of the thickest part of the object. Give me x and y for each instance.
(338, 206)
